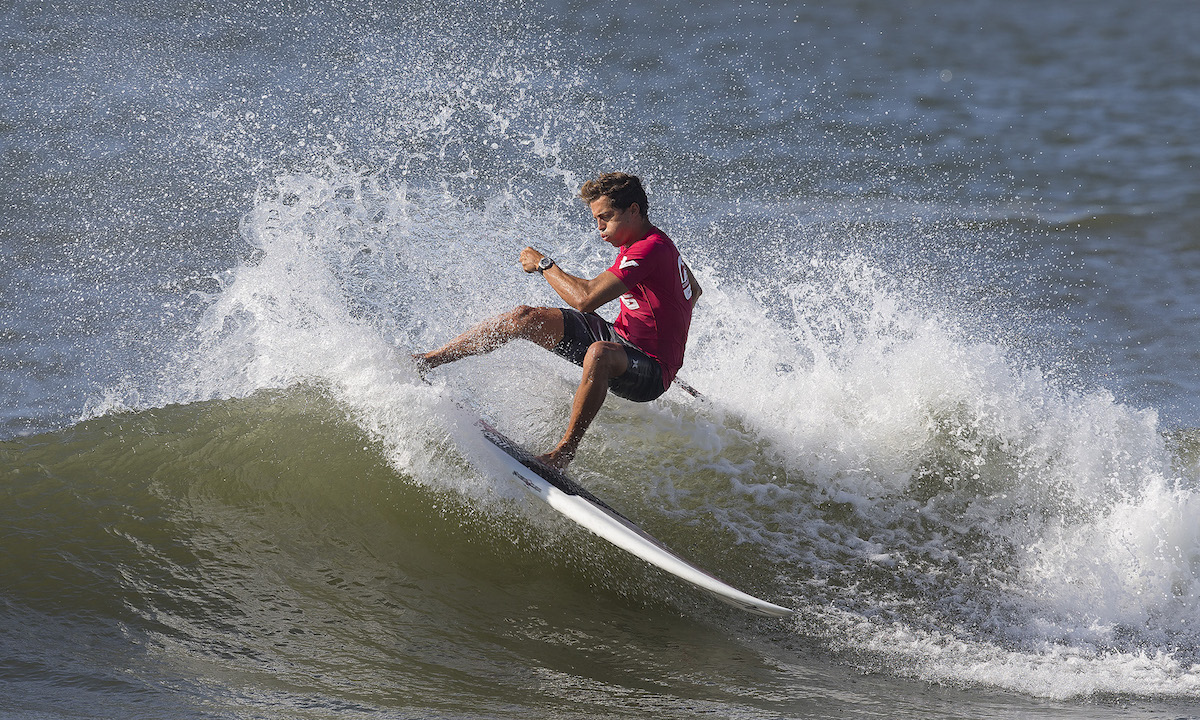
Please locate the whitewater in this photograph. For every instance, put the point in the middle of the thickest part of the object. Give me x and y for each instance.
(940, 422)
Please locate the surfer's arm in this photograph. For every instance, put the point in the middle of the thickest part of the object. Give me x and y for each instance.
(580, 293)
(696, 289)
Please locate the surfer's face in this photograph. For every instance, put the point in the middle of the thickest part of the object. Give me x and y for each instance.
(617, 227)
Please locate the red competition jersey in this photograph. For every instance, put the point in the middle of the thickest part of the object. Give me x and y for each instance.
(656, 313)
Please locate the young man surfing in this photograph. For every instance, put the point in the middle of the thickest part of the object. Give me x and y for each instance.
(639, 353)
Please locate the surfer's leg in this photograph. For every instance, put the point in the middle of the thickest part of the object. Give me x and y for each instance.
(604, 361)
(540, 325)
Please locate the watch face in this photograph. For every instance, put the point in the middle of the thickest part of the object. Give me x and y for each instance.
(545, 263)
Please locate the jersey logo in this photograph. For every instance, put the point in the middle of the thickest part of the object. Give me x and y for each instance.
(685, 280)
(626, 262)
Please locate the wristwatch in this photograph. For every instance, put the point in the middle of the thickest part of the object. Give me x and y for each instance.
(544, 264)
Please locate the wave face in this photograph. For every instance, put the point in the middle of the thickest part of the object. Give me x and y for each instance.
(227, 494)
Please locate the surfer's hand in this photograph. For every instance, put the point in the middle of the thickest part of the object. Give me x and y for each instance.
(530, 259)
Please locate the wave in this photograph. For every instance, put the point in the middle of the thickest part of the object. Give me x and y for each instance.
(267, 542)
(268, 509)
(930, 503)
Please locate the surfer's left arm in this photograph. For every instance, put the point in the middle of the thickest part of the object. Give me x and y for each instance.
(580, 293)
(696, 289)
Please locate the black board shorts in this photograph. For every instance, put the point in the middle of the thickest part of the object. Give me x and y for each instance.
(642, 382)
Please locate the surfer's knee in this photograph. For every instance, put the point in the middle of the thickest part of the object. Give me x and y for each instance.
(526, 315)
(541, 325)
(607, 358)
(516, 322)
(518, 315)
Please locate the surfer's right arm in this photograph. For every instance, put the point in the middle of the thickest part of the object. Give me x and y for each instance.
(580, 293)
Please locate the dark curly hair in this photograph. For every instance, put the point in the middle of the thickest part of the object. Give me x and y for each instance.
(621, 188)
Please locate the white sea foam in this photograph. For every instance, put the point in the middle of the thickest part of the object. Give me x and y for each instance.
(924, 497)
(999, 527)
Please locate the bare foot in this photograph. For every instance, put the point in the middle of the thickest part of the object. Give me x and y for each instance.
(558, 459)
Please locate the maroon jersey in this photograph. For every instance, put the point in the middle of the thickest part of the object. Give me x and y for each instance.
(656, 313)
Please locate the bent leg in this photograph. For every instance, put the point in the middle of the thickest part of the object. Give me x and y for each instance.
(604, 361)
(540, 325)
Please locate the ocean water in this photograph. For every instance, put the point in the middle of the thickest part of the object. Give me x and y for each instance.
(948, 337)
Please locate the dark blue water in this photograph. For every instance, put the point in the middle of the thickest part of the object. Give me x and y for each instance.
(952, 274)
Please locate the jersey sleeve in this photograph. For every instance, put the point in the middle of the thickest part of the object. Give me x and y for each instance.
(632, 267)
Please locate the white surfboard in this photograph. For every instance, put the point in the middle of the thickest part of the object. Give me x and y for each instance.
(571, 499)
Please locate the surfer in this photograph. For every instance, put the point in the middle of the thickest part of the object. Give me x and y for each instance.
(638, 354)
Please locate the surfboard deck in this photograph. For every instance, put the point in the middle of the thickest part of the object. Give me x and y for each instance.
(568, 497)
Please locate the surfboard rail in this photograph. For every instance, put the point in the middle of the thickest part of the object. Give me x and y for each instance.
(568, 497)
